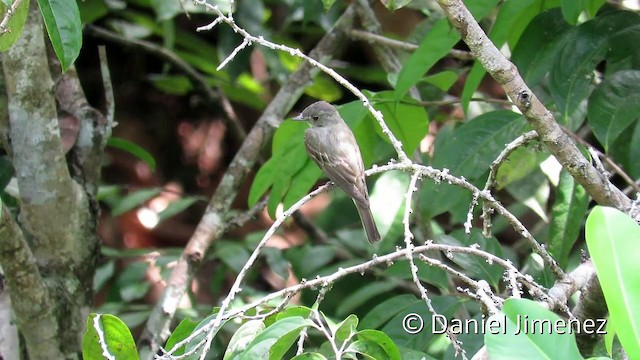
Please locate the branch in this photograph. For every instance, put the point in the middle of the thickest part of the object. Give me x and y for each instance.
(212, 224)
(540, 118)
(49, 196)
(7, 16)
(30, 297)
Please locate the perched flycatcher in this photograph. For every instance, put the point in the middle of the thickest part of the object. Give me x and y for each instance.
(331, 144)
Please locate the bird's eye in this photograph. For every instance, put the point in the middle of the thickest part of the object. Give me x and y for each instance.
(315, 118)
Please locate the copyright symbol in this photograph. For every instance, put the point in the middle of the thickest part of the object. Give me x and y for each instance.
(412, 323)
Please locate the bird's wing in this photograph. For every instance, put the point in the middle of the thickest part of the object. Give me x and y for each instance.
(339, 157)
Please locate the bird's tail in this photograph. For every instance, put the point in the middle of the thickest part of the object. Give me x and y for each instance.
(367, 222)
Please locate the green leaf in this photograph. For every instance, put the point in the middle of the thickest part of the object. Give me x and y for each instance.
(132, 284)
(232, 254)
(387, 204)
(133, 200)
(537, 48)
(275, 340)
(117, 338)
(324, 88)
(292, 311)
(362, 295)
(394, 5)
(390, 349)
(62, 19)
(407, 120)
(92, 10)
(133, 149)
(513, 14)
(277, 262)
(242, 338)
(175, 208)
(194, 343)
(309, 356)
(427, 273)
(287, 159)
(614, 105)
(520, 164)
(306, 260)
(15, 24)
(434, 46)
(327, 4)
(612, 239)
(468, 151)
(566, 217)
(165, 9)
(592, 6)
(443, 80)
(345, 329)
(171, 84)
(571, 77)
(6, 172)
(181, 332)
(571, 10)
(420, 341)
(510, 339)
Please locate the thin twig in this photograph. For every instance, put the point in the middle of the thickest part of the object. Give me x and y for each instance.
(7, 16)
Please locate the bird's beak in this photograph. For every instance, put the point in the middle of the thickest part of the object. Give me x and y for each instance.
(298, 118)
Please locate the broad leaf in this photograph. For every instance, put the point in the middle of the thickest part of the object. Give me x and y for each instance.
(117, 338)
(567, 215)
(62, 19)
(520, 332)
(612, 238)
(588, 44)
(614, 105)
(133, 149)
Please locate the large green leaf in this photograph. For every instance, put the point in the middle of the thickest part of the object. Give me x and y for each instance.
(116, 335)
(521, 332)
(571, 10)
(588, 44)
(15, 24)
(133, 149)
(362, 295)
(242, 338)
(614, 105)
(181, 332)
(387, 204)
(434, 46)
(407, 120)
(612, 239)
(62, 19)
(468, 151)
(566, 217)
(275, 340)
(537, 48)
(513, 15)
(375, 344)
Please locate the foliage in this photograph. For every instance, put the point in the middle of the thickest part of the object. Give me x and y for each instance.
(579, 57)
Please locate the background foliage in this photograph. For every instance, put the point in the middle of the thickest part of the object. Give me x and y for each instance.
(175, 139)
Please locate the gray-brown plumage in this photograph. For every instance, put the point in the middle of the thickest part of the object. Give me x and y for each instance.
(331, 144)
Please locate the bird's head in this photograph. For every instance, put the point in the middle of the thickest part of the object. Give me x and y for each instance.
(319, 114)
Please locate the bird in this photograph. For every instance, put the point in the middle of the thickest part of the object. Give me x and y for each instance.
(331, 144)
